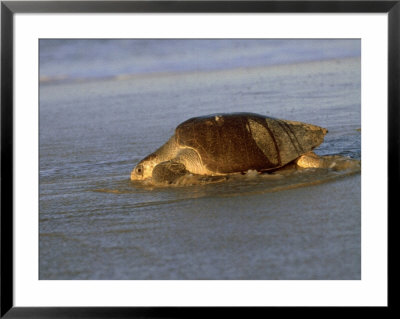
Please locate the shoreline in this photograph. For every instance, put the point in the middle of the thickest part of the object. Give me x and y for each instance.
(64, 79)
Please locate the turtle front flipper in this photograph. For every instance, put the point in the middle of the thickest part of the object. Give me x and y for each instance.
(168, 172)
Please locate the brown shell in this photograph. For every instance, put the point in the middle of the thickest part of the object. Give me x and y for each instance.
(237, 142)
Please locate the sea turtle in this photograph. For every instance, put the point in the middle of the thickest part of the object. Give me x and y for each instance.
(223, 144)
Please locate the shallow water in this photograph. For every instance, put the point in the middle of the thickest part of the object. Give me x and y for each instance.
(97, 224)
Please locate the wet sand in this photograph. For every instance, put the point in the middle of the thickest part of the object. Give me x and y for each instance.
(96, 224)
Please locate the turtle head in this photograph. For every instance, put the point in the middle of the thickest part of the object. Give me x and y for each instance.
(144, 169)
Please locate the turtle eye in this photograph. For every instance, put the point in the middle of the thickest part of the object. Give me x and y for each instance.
(139, 169)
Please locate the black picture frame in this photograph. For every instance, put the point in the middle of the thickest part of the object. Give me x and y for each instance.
(9, 8)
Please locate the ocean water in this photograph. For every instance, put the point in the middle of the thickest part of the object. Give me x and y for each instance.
(105, 104)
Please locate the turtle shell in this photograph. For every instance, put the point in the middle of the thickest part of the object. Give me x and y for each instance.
(237, 142)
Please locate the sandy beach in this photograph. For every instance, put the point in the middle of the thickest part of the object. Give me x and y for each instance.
(96, 224)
